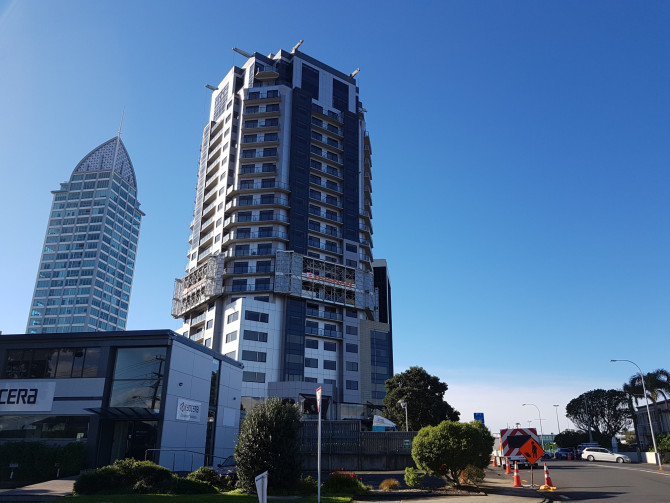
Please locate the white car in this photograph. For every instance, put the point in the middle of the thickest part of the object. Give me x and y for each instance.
(600, 454)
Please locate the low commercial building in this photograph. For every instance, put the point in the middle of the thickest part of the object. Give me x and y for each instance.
(143, 394)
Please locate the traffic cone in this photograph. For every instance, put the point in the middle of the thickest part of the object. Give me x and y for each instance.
(495, 465)
(517, 479)
(548, 484)
(508, 470)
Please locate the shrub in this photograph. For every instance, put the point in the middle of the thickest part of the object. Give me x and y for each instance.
(389, 485)
(344, 482)
(102, 480)
(191, 486)
(126, 476)
(413, 478)
(268, 440)
(37, 460)
(447, 449)
(472, 475)
(308, 485)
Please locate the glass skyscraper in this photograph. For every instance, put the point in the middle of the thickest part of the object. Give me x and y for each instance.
(86, 269)
(280, 270)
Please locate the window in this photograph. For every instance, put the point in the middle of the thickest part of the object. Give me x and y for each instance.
(253, 376)
(231, 354)
(231, 336)
(311, 343)
(256, 316)
(329, 364)
(351, 313)
(311, 363)
(352, 248)
(352, 366)
(209, 324)
(310, 379)
(352, 330)
(329, 346)
(353, 385)
(254, 356)
(233, 317)
(253, 335)
(137, 370)
(310, 81)
(352, 348)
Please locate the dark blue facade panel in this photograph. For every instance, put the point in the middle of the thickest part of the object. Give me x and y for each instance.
(299, 170)
(351, 151)
(294, 340)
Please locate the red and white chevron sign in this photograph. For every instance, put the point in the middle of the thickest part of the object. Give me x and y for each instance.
(512, 439)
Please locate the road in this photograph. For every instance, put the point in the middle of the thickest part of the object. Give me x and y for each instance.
(584, 481)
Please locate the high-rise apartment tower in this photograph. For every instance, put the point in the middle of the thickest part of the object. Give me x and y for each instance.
(88, 259)
(280, 269)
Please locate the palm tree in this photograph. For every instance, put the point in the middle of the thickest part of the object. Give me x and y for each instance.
(633, 391)
(658, 385)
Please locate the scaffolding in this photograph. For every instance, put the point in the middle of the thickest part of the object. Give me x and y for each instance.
(198, 286)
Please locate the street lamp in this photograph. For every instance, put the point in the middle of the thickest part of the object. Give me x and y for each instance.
(403, 404)
(646, 401)
(557, 423)
(540, 419)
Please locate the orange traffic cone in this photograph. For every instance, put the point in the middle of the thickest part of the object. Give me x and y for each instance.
(508, 470)
(494, 462)
(547, 478)
(517, 479)
(548, 484)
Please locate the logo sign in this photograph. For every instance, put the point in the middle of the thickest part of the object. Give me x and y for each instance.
(26, 396)
(532, 451)
(318, 399)
(188, 410)
(479, 416)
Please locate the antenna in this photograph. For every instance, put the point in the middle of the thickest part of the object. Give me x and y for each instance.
(118, 139)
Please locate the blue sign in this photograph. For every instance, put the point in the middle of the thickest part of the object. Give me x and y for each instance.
(479, 416)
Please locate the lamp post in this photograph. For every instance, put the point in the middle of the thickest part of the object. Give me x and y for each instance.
(646, 401)
(540, 419)
(403, 404)
(557, 423)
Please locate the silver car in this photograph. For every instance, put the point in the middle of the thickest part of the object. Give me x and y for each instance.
(600, 454)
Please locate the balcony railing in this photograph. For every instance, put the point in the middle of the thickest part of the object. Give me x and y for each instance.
(269, 184)
(324, 214)
(257, 95)
(236, 219)
(326, 199)
(250, 269)
(323, 332)
(249, 170)
(261, 287)
(272, 200)
(268, 152)
(323, 314)
(251, 253)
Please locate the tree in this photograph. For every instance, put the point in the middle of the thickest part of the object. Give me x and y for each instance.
(447, 449)
(604, 411)
(424, 396)
(268, 440)
(657, 384)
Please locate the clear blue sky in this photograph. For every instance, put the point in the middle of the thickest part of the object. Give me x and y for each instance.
(520, 167)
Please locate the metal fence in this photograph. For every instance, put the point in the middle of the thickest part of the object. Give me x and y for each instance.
(345, 446)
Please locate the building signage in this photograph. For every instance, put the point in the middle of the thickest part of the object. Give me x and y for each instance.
(26, 396)
(188, 410)
(313, 276)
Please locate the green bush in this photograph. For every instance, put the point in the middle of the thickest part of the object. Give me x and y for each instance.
(447, 449)
(37, 461)
(191, 486)
(413, 478)
(341, 482)
(308, 485)
(209, 476)
(126, 476)
(268, 440)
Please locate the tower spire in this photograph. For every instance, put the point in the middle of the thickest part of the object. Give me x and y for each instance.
(118, 139)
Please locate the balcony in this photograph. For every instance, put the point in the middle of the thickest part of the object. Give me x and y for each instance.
(258, 186)
(262, 287)
(323, 332)
(265, 73)
(256, 252)
(243, 219)
(324, 247)
(258, 111)
(325, 155)
(332, 201)
(323, 314)
(256, 126)
(239, 269)
(325, 230)
(260, 140)
(256, 235)
(267, 154)
(267, 200)
(325, 214)
(326, 114)
(325, 169)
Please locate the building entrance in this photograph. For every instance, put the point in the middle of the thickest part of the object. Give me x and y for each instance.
(132, 438)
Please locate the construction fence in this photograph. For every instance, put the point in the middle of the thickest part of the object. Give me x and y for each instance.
(345, 446)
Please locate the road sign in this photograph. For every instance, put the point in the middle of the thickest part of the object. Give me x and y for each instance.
(532, 451)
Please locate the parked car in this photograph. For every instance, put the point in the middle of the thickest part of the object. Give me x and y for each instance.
(562, 453)
(581, 447)
(547, 455)
(227, 468)
(602, 454)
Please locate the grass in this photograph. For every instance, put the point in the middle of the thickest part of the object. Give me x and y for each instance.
(192, 498)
